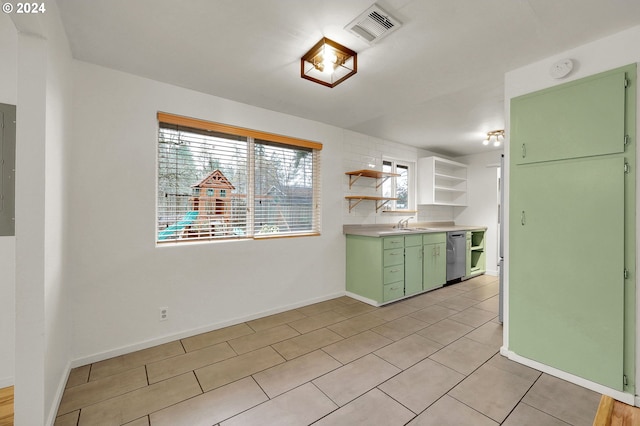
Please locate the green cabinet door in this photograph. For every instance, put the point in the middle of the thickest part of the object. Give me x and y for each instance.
(441, 264)
(468, 256)
(434, 265)
(578, 119)
(412, 270)
(365, 265)
(566, 263)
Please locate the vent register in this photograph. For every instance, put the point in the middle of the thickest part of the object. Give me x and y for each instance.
(373, 24)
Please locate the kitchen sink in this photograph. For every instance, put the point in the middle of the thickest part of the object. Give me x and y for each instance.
(403, 230)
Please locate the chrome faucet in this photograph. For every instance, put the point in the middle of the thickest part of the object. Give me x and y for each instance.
(403, 223)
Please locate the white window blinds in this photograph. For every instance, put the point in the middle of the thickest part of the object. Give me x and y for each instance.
(222, 182)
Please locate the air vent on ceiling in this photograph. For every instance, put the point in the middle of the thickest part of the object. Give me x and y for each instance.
(373, 24)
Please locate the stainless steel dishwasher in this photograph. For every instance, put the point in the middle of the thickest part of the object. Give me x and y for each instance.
(456, 255)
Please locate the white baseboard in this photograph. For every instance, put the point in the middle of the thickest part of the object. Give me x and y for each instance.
(363, 299)
(53, 411)
(627, 398)
(101, 356)
(6, 382)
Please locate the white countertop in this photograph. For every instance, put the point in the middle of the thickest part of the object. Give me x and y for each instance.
(413, 228)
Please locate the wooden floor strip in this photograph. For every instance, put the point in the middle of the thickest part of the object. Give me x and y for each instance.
(615, 413)
(6, 406)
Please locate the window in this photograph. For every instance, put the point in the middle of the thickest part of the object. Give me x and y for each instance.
(267, 185)
(398, 187)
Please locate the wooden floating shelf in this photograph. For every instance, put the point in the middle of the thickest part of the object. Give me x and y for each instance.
(357, 174)
(359, 198)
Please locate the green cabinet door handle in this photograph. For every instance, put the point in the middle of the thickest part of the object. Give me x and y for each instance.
(522, 218)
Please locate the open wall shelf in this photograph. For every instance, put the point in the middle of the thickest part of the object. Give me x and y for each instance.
(381, 177)
(441, 182)
(380, 201)
(357, 174)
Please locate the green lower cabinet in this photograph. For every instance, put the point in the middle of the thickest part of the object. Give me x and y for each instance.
(381, 270)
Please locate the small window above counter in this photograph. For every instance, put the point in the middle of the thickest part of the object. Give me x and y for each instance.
(442, 182)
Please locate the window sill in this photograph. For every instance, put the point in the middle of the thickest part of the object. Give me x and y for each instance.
(399, 211)
(270, 237)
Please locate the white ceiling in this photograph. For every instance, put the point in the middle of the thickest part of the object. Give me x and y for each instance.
(435, 83)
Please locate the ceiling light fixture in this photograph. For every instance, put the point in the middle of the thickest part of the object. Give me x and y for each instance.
(497, 134)
(328, 63)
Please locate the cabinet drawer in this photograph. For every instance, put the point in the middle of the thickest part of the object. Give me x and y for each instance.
(393, 257)
(439, 237)
(393, 274)
(412, 240)
(393, 291)
(393, 242)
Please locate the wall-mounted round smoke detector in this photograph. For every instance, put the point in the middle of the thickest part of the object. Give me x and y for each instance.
(561, 69)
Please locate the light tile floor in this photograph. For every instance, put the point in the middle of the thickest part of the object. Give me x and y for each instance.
(428, 360)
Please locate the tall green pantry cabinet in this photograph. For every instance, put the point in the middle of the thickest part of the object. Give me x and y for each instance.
(572, 228)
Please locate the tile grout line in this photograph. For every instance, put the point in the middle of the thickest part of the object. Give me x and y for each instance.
(381, 390)
(90, 371)
(261, 388)
(198, 380)
(539, 409)
(146, 374)
(470, 407)
(246, 409)
(522, 397)
(462, 380)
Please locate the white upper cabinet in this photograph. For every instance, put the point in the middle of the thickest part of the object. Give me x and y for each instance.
(442, 182)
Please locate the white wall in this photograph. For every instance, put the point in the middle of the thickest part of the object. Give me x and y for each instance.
(57, 297)
(8, 95)
(30, 230)
(42, 320)
(121, 278)
(482, 199)
(8, 62)
(7, 310)
(607, 53)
